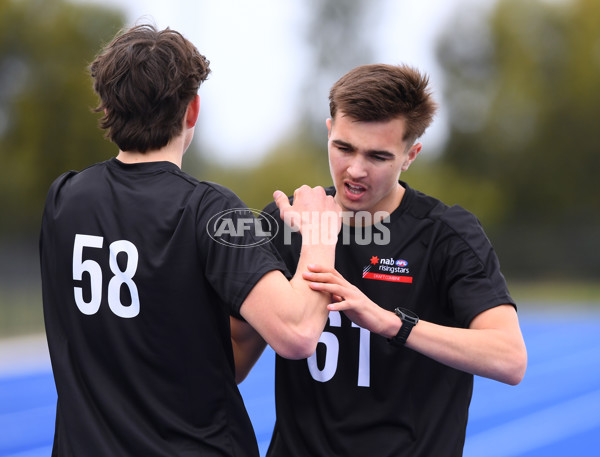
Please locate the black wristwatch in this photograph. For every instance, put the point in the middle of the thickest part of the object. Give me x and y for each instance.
(409, 320)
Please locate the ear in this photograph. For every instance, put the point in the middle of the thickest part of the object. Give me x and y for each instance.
(411, 155)
(193, 109)
(329, 123)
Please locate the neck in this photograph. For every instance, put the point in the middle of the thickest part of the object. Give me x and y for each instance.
(172, 152)
(160, 155)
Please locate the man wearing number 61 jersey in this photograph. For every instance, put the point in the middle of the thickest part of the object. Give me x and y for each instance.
(418, 303)
(140, 274)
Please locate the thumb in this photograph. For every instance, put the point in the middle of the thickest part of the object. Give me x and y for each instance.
(285, 210)
(281, 200)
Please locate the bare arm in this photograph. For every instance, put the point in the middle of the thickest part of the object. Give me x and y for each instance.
(289, 315)
(492, 346)
(248, 346)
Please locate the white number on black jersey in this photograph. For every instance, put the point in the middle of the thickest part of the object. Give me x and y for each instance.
(119, 278)
(332, 350)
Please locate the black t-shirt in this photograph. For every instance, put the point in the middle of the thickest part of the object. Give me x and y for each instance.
(137, 297)
(360, 396)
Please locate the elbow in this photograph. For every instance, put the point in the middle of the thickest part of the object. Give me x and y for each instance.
(298, 344)
(297, 351)
(239, 377)
(296, 354)
(515, 368)
(518, 372)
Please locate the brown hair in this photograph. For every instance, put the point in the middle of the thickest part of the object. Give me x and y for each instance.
(381, 92)
(145, 79)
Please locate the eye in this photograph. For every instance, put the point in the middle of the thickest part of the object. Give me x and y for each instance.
(379, 158)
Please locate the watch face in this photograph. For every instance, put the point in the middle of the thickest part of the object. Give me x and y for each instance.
(407, 315)
(414, 320)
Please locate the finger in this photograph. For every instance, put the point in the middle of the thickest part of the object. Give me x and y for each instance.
(342, 305)
(316, 268)
(286, 211)
(330, 276)
(333, 289)
(334, 307)
(281, 200)
(322, 277)
(320, 269)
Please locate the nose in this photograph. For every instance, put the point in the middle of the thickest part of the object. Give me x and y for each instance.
(357, 168)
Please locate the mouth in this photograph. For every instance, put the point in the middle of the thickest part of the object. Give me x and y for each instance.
(354, 190)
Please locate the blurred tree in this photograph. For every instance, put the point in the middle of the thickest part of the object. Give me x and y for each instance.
(338, 38)
(287, 167)
(524, 105)
(523, 98)
(46, 96)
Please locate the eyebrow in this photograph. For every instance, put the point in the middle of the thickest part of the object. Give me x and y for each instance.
(379, 152)
(343, 144)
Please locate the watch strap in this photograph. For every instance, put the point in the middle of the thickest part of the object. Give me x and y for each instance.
(409, 320)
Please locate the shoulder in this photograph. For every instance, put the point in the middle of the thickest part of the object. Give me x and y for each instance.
(218, 189)
(455, 217)
(198, 191)
(73, 177)
(62, 180)
(211, 193)
(460, 220)
(452, 226)
(420, 205)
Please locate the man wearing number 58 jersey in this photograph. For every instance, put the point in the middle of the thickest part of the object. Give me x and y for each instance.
(418, 301)
(140, 274)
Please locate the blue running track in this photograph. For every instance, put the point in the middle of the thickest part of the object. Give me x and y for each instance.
(554, 412)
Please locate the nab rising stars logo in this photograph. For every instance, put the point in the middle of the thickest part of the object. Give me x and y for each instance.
(389, 269)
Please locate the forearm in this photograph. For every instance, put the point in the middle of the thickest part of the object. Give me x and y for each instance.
(489, 353)
(289, 315)
(247, 346)
(492, 346)
(307, 309)
(493, 352)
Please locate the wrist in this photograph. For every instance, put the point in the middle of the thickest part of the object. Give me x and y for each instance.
(313, 238)
(409, 319)
(392, 325)
(320, 228)
(319, 238)
(316, 254)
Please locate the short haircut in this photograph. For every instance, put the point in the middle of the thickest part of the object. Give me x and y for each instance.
(145, 79)
(382, 92)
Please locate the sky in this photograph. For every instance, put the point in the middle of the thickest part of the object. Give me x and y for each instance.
(257, 52)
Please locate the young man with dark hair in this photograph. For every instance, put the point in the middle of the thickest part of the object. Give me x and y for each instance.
(418, 307)
(139, 280)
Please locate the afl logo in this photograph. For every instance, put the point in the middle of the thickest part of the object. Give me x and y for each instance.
(242, 227)
(401, 263)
